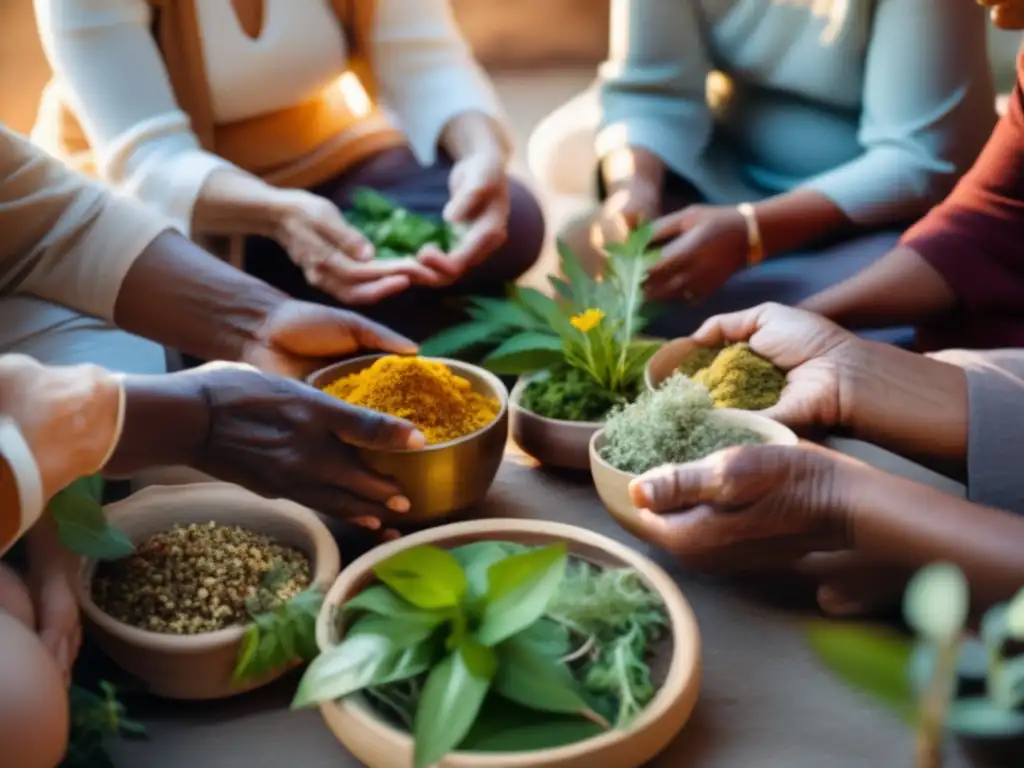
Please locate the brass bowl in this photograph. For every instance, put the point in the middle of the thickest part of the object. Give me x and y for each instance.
(439, 480)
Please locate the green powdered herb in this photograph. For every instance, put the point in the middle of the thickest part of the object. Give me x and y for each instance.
(569, 394)
(396, 232)
(671, 425)
(699, 360)
(737, 377)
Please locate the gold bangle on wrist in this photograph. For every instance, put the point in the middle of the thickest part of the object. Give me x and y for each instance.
(755, 245)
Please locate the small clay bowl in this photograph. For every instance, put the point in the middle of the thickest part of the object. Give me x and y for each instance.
(667, 360)
(196, 667)
(613, 484)
(675, 666)
(444, 479)
(552, 442)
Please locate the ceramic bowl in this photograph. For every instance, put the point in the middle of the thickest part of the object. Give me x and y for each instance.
(552, 442)
(439, 480)
(613, 484)
(676, 664)
(667, 360)
(194, 667)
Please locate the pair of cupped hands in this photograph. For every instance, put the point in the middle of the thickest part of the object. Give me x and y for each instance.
(336, 258)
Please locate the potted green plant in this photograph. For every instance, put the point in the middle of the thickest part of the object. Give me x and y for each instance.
(577, 354)
(504, 643)
(945, 680)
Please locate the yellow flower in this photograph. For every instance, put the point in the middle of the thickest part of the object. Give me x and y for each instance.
(588, 320)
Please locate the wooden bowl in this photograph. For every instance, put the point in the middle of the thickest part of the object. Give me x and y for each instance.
(195, 667)
(377, 744)
(552, 442)
(613, 484)
(439, 480)
(667, 360)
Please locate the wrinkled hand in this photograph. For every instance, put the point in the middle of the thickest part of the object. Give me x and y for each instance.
(816, 354)
(704, 245)
(335, 257)
(747, 507)
(479, 199)
(1006, 14)
(299, 337)
(283, 439)
(66, 414)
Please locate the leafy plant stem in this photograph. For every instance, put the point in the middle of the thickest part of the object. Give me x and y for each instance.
(934, 704)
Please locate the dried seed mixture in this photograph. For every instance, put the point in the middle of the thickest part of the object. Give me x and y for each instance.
(200, 578)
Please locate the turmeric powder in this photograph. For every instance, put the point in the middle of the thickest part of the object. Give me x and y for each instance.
(424, 392)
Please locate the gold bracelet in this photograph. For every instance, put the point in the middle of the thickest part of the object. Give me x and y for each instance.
(755, 245)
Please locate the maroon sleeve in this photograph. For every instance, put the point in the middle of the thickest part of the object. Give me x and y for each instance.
(975, 238)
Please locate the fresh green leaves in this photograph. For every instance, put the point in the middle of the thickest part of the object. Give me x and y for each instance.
(82, 527)
(530, 331)
(519, 589)
(452, 697)
(396, 232)
(95, 717)
(447, 631)
(871, 660)
(281, 636)
(428, 577)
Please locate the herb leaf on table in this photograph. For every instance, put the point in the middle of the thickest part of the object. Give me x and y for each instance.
(96, 717)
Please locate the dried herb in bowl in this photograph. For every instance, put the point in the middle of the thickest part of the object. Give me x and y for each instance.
(200, 578)
(570, 394)
(736, 377)
(671, 425)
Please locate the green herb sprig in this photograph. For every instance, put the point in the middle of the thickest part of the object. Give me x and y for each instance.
(530, 331)
(81, 525)
(96, 717)
(396, 232)
(469, 623)
(280, 635)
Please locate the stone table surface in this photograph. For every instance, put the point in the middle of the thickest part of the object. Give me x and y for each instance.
(765, 701)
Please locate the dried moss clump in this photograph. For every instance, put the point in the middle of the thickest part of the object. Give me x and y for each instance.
(200, 578)
(672, 425)
(737, 377)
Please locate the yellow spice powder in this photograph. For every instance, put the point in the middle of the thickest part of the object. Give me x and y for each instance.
(424, 392)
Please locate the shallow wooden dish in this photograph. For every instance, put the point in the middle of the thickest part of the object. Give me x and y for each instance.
(439, 480)
(552, 442)
(613, 484)
(195, 667)
(377, 744)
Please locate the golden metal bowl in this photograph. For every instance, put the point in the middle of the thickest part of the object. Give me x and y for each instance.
(439, 480)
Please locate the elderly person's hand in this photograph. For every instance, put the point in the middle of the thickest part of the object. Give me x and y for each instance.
(298, 337)
(1006, 14)
(478, 185)
(748, 507)
(335, 257)
(820, 359)
(908, 403)
(703, 246)
(272, 435)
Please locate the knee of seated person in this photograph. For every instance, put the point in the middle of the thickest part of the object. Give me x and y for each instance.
(15, 600)
(560, 151)
(34, 705)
